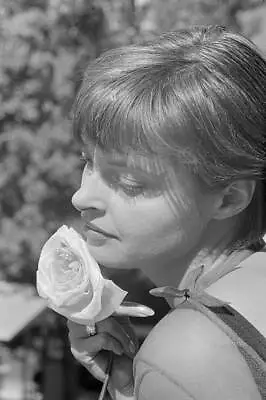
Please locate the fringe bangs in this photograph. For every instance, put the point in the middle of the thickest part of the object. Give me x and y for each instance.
(116, 120)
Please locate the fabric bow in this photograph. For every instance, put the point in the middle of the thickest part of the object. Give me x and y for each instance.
(194, 293)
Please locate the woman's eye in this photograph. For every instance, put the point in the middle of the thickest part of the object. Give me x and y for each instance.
(133, 190)
(131, 187)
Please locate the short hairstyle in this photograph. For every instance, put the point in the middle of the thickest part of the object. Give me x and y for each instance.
(196, 95)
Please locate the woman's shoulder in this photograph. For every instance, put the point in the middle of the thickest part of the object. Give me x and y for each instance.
(244, 290)
(190, 351)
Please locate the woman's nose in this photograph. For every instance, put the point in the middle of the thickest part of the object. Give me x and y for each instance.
(91, 195)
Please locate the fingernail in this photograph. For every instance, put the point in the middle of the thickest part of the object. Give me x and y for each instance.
(145, 312)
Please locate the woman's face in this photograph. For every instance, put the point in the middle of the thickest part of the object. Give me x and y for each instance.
(137, 211)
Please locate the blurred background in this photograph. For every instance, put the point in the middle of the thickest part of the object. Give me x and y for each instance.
(44, 47)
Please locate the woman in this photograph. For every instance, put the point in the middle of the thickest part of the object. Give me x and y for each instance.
(173, 134)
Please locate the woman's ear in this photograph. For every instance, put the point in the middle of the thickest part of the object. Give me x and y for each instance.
(235, 198)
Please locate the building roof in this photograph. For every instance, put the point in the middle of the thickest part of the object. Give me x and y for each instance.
(19, 307)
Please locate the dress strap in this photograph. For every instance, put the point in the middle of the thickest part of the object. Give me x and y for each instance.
(250, 342)
(243, 328)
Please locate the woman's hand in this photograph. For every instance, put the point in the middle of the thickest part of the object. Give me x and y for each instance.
(93, 352)
(114, 334)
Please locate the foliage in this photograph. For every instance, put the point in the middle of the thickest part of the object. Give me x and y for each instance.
(190, 12)
(44, 45)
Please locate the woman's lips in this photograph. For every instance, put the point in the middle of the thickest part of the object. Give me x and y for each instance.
(96, 236)
(96, 229)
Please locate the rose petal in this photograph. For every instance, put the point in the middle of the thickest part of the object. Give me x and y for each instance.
(112, 297)
(71, 281)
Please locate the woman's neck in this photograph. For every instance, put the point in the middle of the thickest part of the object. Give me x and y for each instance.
(176, 274)
(174, 271)
(211, 254)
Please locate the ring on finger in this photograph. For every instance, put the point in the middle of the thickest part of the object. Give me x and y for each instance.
(91, 330)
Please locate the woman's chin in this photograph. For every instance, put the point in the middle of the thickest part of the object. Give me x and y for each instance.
(108, 259)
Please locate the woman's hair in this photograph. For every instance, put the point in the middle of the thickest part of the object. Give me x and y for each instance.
(197, 96)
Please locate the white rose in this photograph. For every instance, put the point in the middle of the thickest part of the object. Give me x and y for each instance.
(71, 281)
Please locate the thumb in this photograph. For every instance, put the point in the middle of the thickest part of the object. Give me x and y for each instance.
(132, 309)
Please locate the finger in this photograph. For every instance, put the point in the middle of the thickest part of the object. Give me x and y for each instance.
(88, 347)
(129, 329)
(121, 338)
(133, 309)
(118, 328)
(108, 330)
(99, 367)
(96, 365)
(80, 330)
(77, 330)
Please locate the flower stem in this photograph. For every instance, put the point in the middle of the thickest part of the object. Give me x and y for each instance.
(107, 376)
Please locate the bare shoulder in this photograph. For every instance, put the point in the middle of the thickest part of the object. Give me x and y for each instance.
(249, 279)
(190, 349)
